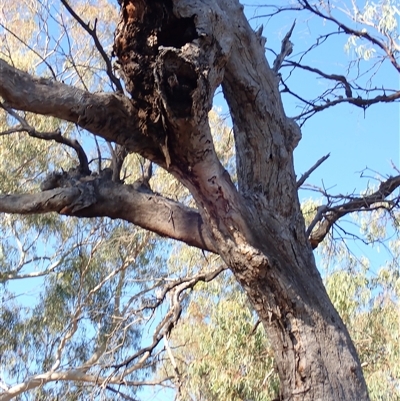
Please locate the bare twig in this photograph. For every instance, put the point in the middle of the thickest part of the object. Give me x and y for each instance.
(120, 393)
(334, 77)
(344, 90)
(360, 34)
(304, 177)
(286, 50)
(31, 49)
(48, 136)
(93, 34)
(356, 101)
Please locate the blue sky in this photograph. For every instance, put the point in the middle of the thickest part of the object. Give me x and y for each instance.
(354, 138)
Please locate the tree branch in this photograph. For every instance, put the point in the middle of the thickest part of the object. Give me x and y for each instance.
(70, 375)
(99, 47)
(118, 156)
(327, 216)
(249, 80)
(49, 136)
(304, 177)
(175, 287)
(334, 77)
(12, 275)
(286, 50)
(111, 116)
(32, 50)
(360, 34)
(97, 197)
(356, 101)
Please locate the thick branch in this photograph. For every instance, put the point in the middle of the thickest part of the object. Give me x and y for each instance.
(111, 116)
(264, 137)
(328, 217)
(97, 198)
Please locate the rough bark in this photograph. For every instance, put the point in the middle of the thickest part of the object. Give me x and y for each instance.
(96, 197)
(173, 55)
(108, 115)
(259, 230)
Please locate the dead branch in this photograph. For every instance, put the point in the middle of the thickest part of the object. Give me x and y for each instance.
(304, 177)
(99, 47)
(286, 50)
(327, 216)
(48, 136)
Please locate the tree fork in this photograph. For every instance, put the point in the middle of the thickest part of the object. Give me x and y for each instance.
(259, 231)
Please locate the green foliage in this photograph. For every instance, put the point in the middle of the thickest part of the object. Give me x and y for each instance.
(368, 299)
(222, 352)
(379, 19)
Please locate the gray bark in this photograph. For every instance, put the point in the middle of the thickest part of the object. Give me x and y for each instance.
(173, 55)
(100, 197)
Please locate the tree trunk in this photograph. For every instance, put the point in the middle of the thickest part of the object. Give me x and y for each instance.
(173, 55)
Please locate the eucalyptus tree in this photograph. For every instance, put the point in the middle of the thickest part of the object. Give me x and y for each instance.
(220, 350)
(171, 57)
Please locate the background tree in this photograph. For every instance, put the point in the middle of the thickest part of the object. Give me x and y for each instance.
(172, 57)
